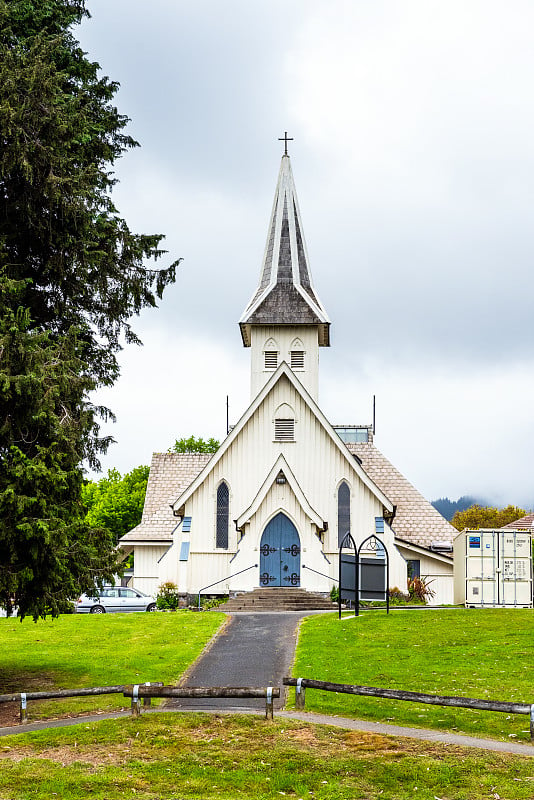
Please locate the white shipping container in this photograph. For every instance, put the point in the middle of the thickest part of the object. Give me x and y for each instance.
(493, 567)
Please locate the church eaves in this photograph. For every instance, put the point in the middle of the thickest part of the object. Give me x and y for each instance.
(285, 294)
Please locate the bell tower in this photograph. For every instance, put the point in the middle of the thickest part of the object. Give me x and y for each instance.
(285, 320)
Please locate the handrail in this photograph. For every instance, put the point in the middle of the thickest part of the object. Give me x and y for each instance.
(320, 573)
(253, 566)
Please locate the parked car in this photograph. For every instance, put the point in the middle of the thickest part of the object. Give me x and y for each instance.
(115, 598)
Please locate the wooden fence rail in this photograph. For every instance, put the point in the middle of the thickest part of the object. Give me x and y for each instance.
(138, 691)
(302, 684)
(61, 694)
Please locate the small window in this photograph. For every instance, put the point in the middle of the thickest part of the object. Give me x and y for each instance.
(223, 514)
(414, 568)
(184, 551)
(297, 359)
(284, 430)
(186, 524)
(271, 359)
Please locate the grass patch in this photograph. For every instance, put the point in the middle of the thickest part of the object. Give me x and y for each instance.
(486, 653)
(98, 650)
(171, 756)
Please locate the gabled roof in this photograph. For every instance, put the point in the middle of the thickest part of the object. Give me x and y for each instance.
(285, 295)
(416, 520)
(280, 465)
(523, 524)
(169, 473)
(283, 371)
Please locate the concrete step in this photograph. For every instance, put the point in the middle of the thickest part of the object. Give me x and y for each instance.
(278, 599)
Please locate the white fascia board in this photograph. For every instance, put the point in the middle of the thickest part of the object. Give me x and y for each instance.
(417, 549)
(283, 369)
(364, 477)
(184, 497)
(280, 464)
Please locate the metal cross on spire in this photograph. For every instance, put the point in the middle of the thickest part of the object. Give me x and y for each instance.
(285, 139)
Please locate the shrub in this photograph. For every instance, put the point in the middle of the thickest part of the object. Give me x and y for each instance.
(168, 597)
(420, 590)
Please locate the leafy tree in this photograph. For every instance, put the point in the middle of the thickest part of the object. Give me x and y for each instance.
(486, 517)
(194, 445)
(116, 502)
(72, 275)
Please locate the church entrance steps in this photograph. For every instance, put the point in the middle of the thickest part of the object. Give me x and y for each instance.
(278, 599)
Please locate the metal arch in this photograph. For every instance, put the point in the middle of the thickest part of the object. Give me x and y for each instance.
(345, 543)
(376, 543)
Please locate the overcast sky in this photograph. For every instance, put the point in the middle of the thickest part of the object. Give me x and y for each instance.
(413, 158)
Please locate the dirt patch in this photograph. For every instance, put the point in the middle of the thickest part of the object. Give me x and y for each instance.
(306, 736)
(9, 714)
(96, 756)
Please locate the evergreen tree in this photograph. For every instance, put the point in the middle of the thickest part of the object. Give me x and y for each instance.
(72, 275)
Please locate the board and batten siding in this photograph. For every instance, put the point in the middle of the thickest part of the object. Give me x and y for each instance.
(438, 573)
(146, 572)
(319, 466)
(284, 337)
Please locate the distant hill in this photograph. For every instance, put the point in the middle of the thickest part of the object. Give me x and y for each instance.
(447, 508)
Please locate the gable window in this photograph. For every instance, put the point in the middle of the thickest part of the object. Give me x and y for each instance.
(284, 430)
(223, 513)
(297, 359)
(271, 359)
(343, 512)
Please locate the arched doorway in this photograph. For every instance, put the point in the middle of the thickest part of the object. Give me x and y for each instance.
(280, 553)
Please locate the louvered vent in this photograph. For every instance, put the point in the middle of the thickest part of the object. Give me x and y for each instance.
(284, 430)
(297, 359)
(271, 359)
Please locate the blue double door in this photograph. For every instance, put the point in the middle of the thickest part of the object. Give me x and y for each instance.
(280, 553)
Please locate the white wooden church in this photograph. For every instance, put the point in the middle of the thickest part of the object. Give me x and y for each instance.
(271, 506)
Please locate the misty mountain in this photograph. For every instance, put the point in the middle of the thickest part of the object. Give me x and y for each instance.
(447, 508)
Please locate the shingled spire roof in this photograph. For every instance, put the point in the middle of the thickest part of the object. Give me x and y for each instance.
(285, 295)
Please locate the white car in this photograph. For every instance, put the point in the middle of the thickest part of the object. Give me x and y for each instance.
(115, 598)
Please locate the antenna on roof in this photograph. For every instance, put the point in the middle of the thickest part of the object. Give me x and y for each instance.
(374, 414)
(227, 416)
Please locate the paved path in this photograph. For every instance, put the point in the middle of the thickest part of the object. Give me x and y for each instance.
(251, 650)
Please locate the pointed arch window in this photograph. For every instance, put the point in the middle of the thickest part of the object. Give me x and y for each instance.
(343, 511)
(223, 515)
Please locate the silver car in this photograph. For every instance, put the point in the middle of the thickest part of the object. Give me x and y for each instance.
(115, 598)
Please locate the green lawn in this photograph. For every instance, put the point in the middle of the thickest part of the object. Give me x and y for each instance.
(201, 757)
(83, 650)
(485, 653)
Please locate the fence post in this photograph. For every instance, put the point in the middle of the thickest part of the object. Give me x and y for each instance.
(136, 705)
(269, 703)
(532, 723)
(147, 700)
(300, 696)
(23, 711)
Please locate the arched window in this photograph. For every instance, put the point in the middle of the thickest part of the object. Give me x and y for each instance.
(343, 512)
(223, 513)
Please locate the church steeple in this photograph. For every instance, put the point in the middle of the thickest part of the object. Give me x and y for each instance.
(285, 320)
(285, 295)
